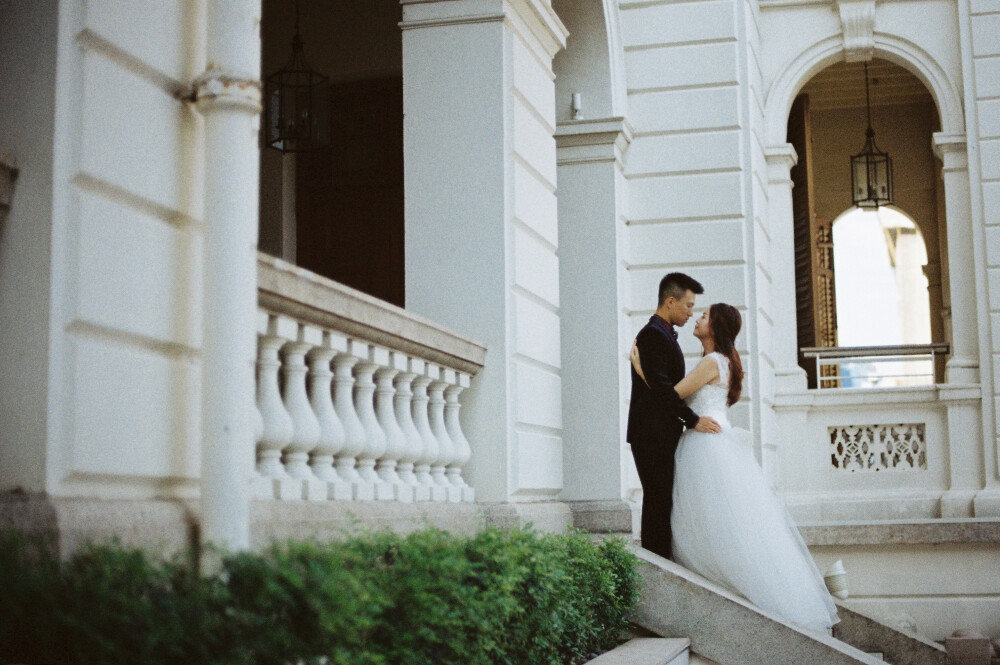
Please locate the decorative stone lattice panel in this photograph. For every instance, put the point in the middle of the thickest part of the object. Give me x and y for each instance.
(900, 447)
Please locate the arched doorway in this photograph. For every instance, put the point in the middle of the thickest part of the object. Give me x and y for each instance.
(826, 126)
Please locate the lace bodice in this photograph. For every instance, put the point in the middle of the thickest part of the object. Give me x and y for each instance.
(710, 399)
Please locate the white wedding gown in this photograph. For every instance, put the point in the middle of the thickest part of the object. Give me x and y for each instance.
(729, 526)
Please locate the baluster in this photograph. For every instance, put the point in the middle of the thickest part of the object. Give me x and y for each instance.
(305, 431)
(463, 451)
(332, 435)
(354, 431)
(364, 403)
(445, 447)
(395, 440)
(429, 449)
(404, 416)
(278, 428)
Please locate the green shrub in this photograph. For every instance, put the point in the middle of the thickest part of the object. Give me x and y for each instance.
(500, 597)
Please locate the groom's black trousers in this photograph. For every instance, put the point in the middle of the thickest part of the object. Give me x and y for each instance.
(655, 463)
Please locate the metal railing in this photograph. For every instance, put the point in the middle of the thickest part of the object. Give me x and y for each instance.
(875, 366)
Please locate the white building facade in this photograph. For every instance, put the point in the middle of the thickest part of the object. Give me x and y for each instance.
(558, 159)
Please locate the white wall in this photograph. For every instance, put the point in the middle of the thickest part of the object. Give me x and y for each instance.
(689, 166)
(27, 114)
(126, 249)
(982, 69)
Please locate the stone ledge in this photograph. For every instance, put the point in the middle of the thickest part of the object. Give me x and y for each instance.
(284, 288)
(167, 526)
(646, 651)
(902, 532)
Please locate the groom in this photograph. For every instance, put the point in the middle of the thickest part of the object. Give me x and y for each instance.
(656, 414)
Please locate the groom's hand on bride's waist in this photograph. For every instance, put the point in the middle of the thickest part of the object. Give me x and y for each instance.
(707, 425)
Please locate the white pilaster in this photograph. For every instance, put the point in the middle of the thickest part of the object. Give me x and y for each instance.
(486, 170)
(963, 366)
(789, 377)
(595, 337)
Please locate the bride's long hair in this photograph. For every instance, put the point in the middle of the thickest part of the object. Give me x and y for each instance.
(726, 322)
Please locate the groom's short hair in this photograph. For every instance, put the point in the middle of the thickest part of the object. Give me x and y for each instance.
(676, 284)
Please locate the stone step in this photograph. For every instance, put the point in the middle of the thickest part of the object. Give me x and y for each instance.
(646, 651)
(726, 628)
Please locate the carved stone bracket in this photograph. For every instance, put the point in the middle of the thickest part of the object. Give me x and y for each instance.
(857, 18)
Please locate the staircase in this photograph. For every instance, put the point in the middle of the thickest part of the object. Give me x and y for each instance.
(725, 628)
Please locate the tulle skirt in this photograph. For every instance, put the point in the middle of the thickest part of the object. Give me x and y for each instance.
(729, 526)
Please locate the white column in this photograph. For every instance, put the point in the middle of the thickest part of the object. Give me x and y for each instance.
(228, 97)
(963, 366)
(354, 431)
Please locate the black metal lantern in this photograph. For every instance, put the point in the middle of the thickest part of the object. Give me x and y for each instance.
(871, 169)
(297, 100)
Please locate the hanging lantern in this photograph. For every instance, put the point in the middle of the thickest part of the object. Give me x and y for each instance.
(297, 103)
(871, 169)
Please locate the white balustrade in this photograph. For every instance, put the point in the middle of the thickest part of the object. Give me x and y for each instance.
(332, 435)
(413, 442)
(395, 440)
(446, 449)
(429, 452)
(278, 429)
(354, 421)
(463, 451)
(354, 431)
(364, 403)
(305, 426)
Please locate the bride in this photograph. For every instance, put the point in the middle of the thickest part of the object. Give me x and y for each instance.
(728, 524)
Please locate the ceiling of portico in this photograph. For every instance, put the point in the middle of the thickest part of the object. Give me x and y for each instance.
(842, 86)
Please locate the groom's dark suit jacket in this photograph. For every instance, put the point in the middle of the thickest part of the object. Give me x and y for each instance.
(656, 414)
(656, 418)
